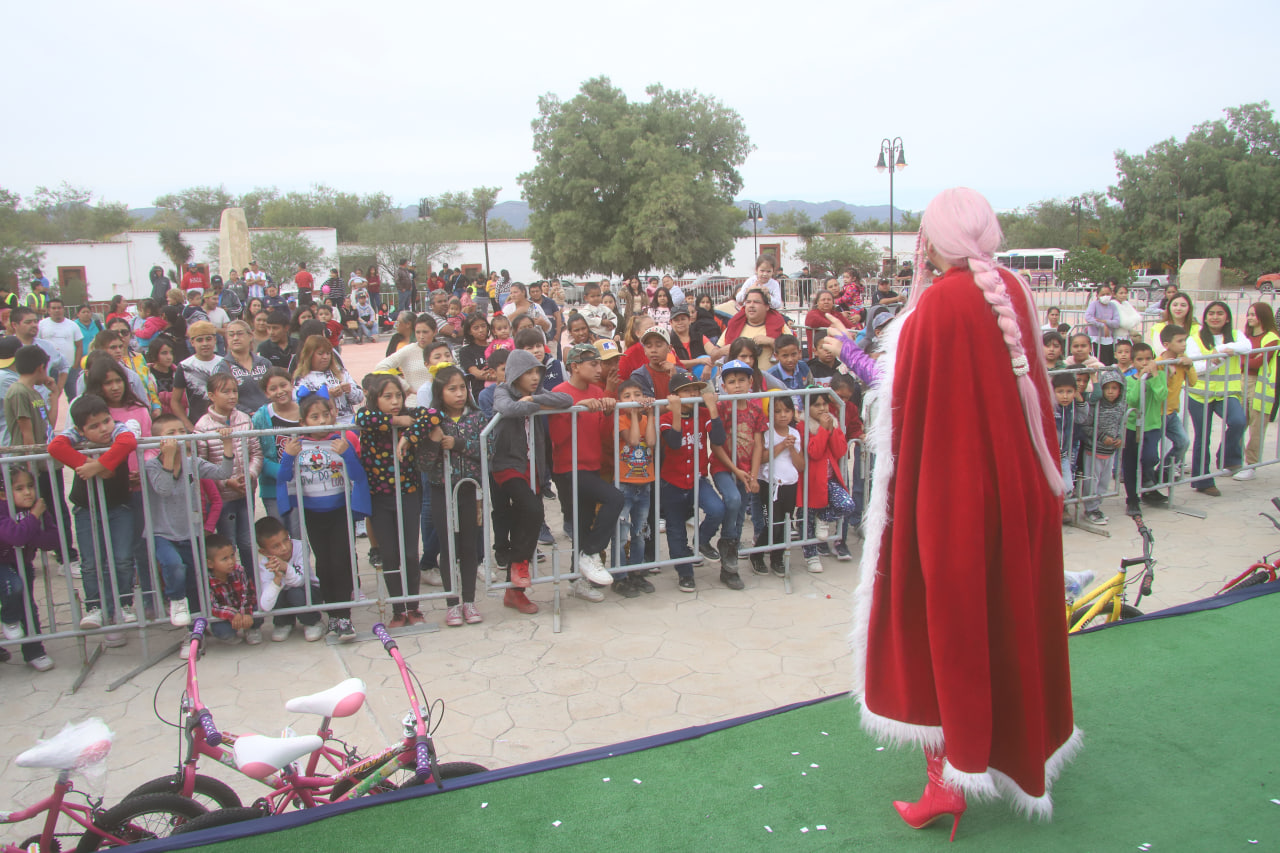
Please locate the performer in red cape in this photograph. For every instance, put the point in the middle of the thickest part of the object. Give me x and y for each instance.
(959, 633)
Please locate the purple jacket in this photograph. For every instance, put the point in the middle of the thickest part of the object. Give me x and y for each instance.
(863, 366)
(1103, 321)
(26, 532)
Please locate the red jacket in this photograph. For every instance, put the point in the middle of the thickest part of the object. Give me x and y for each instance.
(824, 446)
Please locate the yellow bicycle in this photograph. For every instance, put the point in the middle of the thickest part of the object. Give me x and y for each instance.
(1107, 602)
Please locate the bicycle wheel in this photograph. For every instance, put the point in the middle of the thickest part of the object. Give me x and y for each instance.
(211, 793)
(450, 770)
(141, 819)
(222, 817)
(1127, 611)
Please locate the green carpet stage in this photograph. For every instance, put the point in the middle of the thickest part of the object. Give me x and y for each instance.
(1180, 717)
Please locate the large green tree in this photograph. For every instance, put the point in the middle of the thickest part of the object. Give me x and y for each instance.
(1089, 266)
(832, 254)
(17, 255)
(1215, 194)
(65, 213)
(323, 206)
(787, 221)
(422, 241)
(195, 207)
(1058, 223)
(621, 187)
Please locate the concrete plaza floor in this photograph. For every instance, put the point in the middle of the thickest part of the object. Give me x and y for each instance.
(514, 690)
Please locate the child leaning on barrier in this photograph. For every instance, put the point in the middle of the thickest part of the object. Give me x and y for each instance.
(1101, 436)
(384, 409)
(780, 478)
(736, 478)
(31, 526)
(174, 498)
(1069, 413)
(231, 595)
(329, 475)
(684, 435)
(1146, 400)
(93, 424)
(1174, 339)
(235, 519)
(283, 578)
(457, 432)
(637, 435)
(515, 499)
(824, 491)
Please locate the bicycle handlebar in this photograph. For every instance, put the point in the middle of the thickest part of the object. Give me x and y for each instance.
(380, 631)
(212, 736)
(1133, 561)
(423, 770)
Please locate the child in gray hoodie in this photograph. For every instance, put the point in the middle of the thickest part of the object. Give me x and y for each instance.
(517, 509)
(1102, 436)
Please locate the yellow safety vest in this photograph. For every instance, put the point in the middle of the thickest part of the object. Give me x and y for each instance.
(1265, 396)
(1225, 380)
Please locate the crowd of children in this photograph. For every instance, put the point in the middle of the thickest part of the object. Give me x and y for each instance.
(405, 444)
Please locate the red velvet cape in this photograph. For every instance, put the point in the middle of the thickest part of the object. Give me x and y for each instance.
(966, 641)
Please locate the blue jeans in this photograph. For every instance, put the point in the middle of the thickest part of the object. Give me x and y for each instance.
(296, 596)
(375, 299)
(636, 501)
(735, 496)
(177, 565)
(677, 508)
(430, 539)
(1230, 453)
(236, 523)
(120, 556)
(404, 300)
(1177, 435)
(14, 597)
(141, 557)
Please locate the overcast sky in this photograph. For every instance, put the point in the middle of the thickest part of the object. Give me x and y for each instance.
(1021, 100)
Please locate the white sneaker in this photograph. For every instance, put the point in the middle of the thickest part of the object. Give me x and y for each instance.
(1244, 474)
(91, 620)
(821, 531)
(179, 613)
(280, 633)
(253, 636)
(361, 531)
(44, 663)
(115, 640)
(74, 570)
(582, 589)
(13, 631)
(127, 614)
(662, 525)
(591, 569)
(431, 577)
(313, 633)
(814, 564)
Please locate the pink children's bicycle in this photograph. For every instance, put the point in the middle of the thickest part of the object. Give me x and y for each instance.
(274, 762)
(83, 747)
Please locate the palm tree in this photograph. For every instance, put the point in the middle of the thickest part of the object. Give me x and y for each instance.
(483, 200)
(175, 248)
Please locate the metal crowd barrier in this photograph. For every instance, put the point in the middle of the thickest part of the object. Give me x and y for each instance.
(63, 602)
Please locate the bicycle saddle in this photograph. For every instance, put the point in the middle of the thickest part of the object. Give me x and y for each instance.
(72, 748)
(258, 756)
(340, 701)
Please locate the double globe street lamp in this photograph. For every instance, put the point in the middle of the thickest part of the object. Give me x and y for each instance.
(891, 152)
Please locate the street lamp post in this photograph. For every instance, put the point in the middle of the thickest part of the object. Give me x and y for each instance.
(755, 213)
(892, 148)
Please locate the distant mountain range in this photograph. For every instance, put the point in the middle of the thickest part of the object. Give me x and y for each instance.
(516, 213)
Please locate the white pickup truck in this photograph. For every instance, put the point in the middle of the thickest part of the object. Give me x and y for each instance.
(1146, 278)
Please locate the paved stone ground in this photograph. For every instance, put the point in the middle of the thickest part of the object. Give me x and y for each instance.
(514, 690)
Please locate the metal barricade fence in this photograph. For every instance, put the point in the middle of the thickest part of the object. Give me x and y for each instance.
(1243, 409)
(133, 603)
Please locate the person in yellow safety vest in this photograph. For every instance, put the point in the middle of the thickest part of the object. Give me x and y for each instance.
(37, 300)
(1219, 392)
(1260, 326)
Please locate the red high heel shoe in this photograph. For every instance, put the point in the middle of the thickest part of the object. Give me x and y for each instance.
(938, 799)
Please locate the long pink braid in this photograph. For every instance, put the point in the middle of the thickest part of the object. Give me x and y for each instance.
(962, 229)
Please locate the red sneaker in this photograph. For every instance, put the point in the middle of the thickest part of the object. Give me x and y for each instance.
(520, 575)
(516, 599)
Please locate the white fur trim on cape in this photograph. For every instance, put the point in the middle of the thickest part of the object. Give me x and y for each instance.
(993, 784)
(876, 518)
(987, 785)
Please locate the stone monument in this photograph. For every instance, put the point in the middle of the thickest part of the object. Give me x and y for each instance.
(1200, 274)
(233, 242)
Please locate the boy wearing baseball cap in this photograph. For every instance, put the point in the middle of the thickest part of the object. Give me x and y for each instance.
(598, 503)
(660, 374)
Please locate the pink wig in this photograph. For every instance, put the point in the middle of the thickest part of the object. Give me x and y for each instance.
(962, 229)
